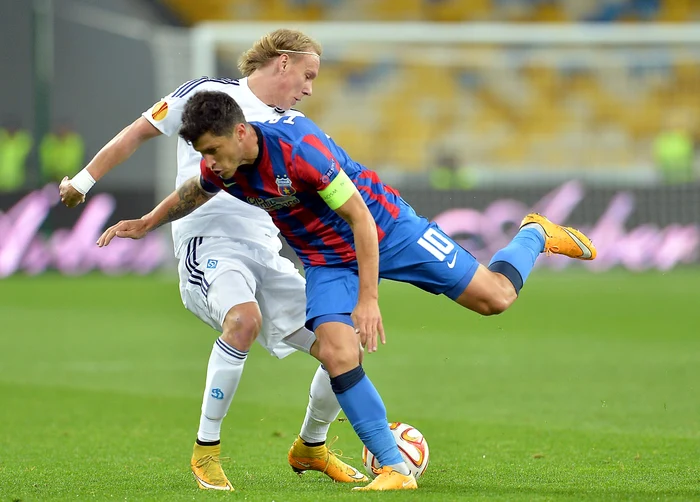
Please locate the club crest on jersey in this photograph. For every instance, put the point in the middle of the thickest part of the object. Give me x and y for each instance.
(284, 185)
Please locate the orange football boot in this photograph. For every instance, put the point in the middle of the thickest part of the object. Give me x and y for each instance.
(304, 458)
(206, 467)
(566, 241)
(389, 479)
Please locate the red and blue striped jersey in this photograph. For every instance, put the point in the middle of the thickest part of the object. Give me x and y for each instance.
(296, 160)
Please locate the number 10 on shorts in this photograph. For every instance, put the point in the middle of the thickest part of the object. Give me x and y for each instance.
(436, 244)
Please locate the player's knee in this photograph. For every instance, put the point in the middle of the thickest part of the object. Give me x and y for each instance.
(241, 327)
(342, 357)
(337, 356)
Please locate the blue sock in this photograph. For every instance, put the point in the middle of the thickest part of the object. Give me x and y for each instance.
(516, 260)
(366, 412)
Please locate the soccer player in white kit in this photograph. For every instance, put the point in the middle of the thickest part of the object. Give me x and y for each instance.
(232, 276)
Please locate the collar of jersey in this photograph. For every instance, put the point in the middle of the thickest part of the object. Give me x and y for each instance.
(243, 82)
(261, 146)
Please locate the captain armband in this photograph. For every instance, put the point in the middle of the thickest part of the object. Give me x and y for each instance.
(339, 191)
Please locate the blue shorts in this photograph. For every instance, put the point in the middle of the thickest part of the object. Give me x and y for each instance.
(416, 251)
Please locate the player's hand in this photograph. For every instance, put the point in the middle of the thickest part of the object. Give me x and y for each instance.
(368, 323)
(126, 229)
(69, 195)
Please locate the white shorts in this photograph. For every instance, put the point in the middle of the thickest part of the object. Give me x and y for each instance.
(217, 273)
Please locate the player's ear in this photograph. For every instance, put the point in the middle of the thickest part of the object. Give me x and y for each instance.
(283, 62)
(240, 131)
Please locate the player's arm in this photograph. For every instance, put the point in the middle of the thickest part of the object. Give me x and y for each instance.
(342, 196)
(164, 117)
(314, 163)
(188, 197)
(118, 150)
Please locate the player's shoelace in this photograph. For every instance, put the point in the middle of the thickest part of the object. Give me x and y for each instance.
(335, 453)
(206, 459)
(377, 471)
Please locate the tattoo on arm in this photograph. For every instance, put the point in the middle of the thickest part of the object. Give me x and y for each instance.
(191, 196)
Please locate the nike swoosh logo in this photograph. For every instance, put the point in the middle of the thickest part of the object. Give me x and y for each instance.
(451, 263)
(585, 252)
(357, 474)
(209, 486)
(228, 184)
(303, 464)
(406, 483)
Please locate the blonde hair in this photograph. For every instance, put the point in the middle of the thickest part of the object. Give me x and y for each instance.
(272, 45)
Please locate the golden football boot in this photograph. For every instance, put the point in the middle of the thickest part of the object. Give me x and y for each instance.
(206, 467)
(562, 240)
(389, 479)
(304, 458)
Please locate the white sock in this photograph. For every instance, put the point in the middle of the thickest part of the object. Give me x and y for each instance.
(323, 408)
(402, 468)
(223, 375)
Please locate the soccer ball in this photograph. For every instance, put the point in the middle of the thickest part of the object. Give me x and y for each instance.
(413, 448)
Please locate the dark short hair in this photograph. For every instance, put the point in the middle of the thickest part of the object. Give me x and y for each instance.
(210, 112)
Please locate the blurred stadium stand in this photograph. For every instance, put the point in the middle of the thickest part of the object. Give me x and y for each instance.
(557, 110)
(438, 10)
(509, 108)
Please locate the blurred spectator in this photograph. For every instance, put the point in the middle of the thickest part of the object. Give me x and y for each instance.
(61, 153)
(674, 152)
(15, 145)
(448, 175)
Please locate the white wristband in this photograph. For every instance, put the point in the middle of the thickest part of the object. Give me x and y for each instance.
(82, 181)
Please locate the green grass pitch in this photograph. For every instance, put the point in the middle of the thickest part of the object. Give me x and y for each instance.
(587, 389)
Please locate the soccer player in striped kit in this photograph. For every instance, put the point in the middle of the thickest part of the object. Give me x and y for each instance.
(226, 248)
(348, 229)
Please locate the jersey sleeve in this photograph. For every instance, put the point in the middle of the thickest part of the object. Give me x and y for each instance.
(210, 182)
(166, 114)
(315, 164)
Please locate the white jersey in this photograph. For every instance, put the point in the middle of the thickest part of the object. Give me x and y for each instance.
(224, 215)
